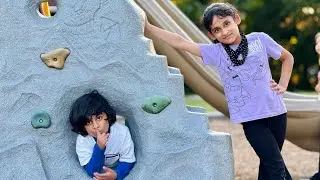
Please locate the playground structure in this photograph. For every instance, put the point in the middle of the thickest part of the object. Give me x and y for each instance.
(303, 128)
(125, 69)
(46, 63)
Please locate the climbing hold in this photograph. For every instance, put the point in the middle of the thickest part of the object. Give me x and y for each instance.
(55, 58)
(155, 104)
(40, 119)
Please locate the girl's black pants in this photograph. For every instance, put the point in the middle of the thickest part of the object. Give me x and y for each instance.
(266, 136)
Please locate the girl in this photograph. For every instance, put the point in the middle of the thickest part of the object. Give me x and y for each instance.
(254, 98)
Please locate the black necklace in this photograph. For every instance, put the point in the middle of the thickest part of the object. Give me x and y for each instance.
(241, 49)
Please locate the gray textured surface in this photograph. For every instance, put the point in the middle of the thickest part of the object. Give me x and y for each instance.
(110, 54)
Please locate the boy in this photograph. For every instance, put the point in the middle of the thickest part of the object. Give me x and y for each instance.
(254, 98)
(101, 141)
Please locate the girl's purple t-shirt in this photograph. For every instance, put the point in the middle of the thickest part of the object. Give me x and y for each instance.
(247, 87)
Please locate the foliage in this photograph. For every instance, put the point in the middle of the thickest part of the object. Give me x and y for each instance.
(292, 23)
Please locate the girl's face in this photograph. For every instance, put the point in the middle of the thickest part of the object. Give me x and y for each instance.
(97, 123)
(225, 29)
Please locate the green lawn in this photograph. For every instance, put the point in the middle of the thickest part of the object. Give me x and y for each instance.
(194, 100)
(307, 92)
(198, 101)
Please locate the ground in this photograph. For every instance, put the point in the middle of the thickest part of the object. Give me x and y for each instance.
(302, 164)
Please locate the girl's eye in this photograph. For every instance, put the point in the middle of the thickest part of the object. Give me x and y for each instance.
(226, 24)
(89, 122)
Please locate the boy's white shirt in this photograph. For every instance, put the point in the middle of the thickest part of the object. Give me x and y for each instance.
(120, 142)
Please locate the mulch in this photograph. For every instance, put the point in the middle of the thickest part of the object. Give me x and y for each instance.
(302, 164)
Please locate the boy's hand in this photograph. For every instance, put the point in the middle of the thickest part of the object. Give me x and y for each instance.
(108, 175)
(277, 87)
(102, 139)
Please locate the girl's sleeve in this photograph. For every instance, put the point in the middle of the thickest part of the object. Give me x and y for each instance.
(123, 169)
(91, 158)
(210, 53)
(273, 49)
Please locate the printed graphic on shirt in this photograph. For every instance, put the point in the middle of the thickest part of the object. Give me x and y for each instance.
(260, 69)
(233, 85)
(255, 70)
(255, 46)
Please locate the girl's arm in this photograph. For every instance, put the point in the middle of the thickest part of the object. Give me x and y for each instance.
(173, 39)
(286, 69)
(96, 162)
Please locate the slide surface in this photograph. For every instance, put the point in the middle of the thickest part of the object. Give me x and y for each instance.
(303, 127)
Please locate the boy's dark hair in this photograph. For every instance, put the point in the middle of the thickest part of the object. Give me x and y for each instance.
(217, 9)
(87, 105)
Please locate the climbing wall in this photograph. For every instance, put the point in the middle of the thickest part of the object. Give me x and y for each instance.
(46, 63)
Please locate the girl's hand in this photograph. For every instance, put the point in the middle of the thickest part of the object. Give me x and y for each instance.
(108, 175)
(146, 24)
(102, 139)
(317, 88)
(277, 87)
(318, 47)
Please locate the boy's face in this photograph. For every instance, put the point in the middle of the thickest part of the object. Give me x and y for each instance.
(97, 123)
(225, 29)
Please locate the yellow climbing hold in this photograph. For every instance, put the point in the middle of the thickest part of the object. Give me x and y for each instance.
(55, 58)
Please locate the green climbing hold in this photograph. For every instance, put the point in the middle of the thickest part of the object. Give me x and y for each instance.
(155, 104)
(40, 119)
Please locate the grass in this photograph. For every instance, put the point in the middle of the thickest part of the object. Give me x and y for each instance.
(307, 92)
(194, 100)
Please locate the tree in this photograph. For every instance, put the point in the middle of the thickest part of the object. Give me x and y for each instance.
(292, 23)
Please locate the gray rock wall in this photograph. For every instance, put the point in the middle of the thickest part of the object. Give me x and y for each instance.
(108, 53)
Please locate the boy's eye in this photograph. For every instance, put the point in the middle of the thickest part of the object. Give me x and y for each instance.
(89, 122)
(226, 23)
(216, 30)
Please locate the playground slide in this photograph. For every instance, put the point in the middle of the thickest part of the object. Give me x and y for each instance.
(303, 127)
